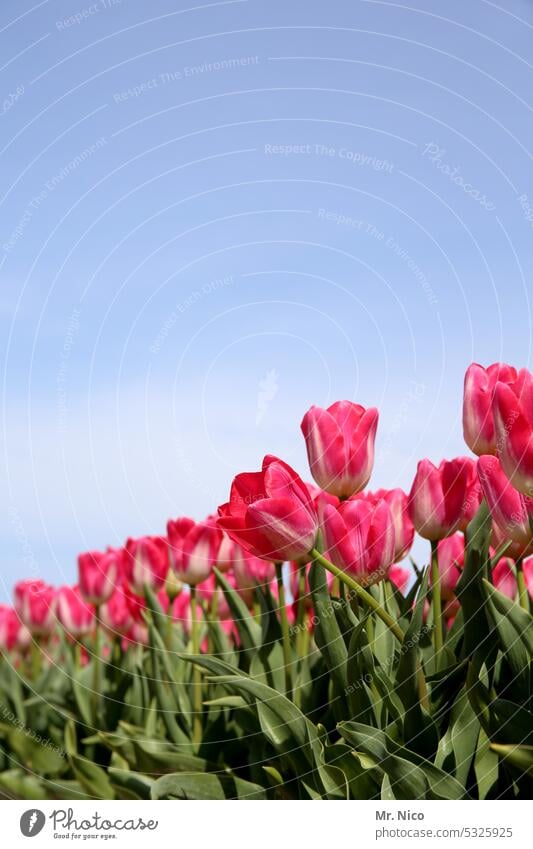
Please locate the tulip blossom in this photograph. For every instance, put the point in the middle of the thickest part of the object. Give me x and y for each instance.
(403, 527)
(193, 548)
(145, 563)
(399, 576)
(511, 511)
(115, 613)
(451, 558)
(473, 493)
(504, 578)
(513, 421)
(360, 538)
(98, 574)
(340, 446)
(13, 634)
(34, 603)
(439, 497)
(527, 568)
(478, 420)
(73, 612)
(270, 513)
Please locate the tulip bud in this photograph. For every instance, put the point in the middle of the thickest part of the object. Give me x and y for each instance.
(439, 497)
(503, 577)
(13, 634)
(403, 527)
(145, 563)
(115, 613)
(270, 513)
(510, 510)
(400, 577)
(360, 539)
(513, 420)
(478, 419)
(451, 558)
(73, 612)
(34, 603)
(340, 446)
(193, 548)
(98, 574)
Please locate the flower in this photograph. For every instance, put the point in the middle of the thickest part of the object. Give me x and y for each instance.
(340, 446)
(439, 497)
(13, 634)
(97, 574)
(400, 576)
(193, 548)
(145, 562)
(34, 603)
(73, 612)
(503, 577)
(512, 407)
(115, 613)
(478, 419)
(403, 527)
(270, 513)
(451, 558)
(510, 510)
(360, 538)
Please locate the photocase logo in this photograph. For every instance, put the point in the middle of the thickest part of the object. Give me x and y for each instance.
(32, 822)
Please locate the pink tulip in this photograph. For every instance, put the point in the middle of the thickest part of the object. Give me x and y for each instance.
(513, 420)
(251, 571)
(194, 550)
(403, 527)
(115, 613)
(145, 563)
(451, 558)
(473, 493)
(73, 612)
(527, 568)
(400, 576)
(270, 513)
(503, 577)
(340, 446)
(439, 497)
(511, 511)
(360, 538)
(478, 420)
(13, 634)
(98, 573)
(34, 603)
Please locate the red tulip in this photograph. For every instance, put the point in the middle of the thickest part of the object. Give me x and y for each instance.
(451, 558)
(98, 573)
(115, 613)
(193, 548)
(251, 571)
(403, 527)
(473, 493)
(503, 577)
(439, 497)
(145, 563)
(34, 603)
(513, 420)
(478, 420)
(13, 634)
(73, 612)
(511, 511)
(400, 576)
(340, 446)
(527, 568)
(270, 513)
(360, 538)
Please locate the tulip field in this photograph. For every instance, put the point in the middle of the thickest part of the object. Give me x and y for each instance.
(287, 647)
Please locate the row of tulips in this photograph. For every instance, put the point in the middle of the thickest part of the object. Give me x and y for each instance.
(221, 572)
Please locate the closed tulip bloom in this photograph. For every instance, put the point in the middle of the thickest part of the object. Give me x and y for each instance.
(194, 552)
(527, 568)
(478, 419)
(473, 493)
(513, 420)
(398, 502)
(13, 634)
(504, 578)
(98, 573)
(115, 613)
(145, 563)
(73, 612)
(400, 576)
(177, 530)
(451, 558)
(360, 539)
(34, 603)
(251, 571)
(270, 513)
(510, 510)
(340, 446)
(439, 497)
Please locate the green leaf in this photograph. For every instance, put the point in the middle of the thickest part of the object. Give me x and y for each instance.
(249, 630)
(206, 786)
(519, 756)
(469, 587)
(328, 636)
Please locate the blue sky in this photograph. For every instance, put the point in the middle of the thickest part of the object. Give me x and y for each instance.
(213, 216)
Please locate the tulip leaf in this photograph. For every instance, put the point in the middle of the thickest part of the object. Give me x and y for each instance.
(328, 635)
(249, 630)
(205, 785)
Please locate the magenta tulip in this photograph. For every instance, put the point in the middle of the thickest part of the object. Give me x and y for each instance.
(513, 420)
(73, 612)
(145, 563)
(193, 548)
(360, 538)
(478, 420)
(438, 501)
(34, 603)
(13, 634)
(511, 511)
(451, 558)
(115, 613)
(340, 446)
(98, 573)
(270, 513)
(403, 527)
(504, 578)
(399, 576)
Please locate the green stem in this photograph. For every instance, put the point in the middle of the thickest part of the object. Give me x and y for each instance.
(197, 675)
(523, 595)
(96, 685)
(300, 612)
(284, 629)
(437, 602)
(363, 596)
